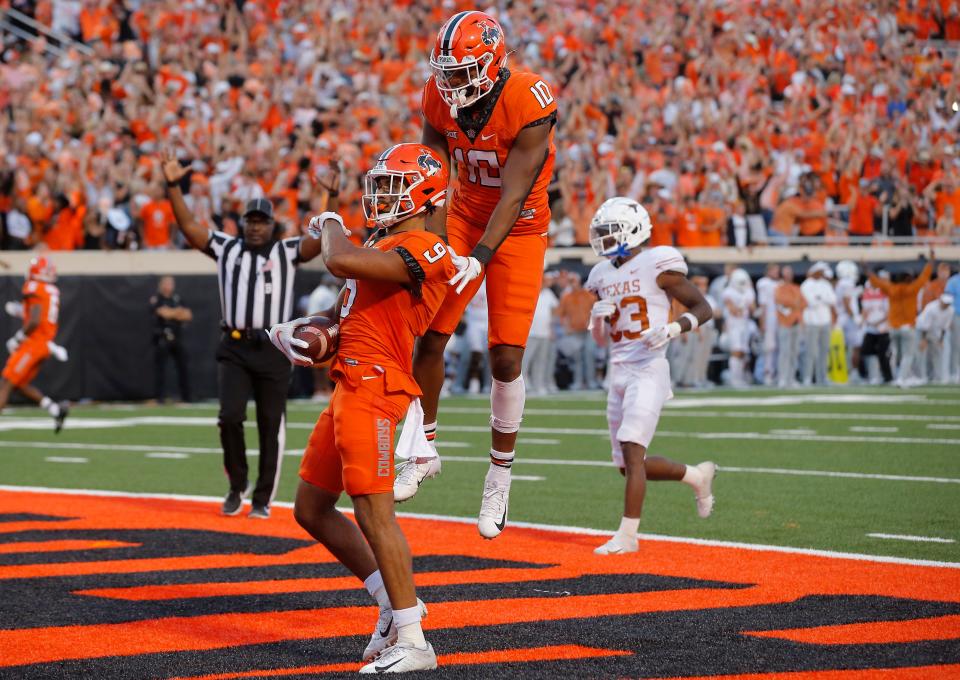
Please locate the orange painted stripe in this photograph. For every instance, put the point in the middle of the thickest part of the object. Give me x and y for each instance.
(909, 673)
(554, 653)
(877, 632)
(228, 630)
(62, 546)
(305, 585)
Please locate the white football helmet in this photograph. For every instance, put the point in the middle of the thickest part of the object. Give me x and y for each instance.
(847, 270)
(740, 280)
(619, 224)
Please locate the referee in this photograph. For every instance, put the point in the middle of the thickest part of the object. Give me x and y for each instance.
(255, 272)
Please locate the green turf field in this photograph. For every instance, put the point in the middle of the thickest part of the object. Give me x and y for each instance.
(781, 452)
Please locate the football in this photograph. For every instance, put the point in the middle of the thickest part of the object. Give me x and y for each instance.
(322, 336)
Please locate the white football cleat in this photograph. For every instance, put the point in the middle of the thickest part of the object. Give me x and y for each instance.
(385, 632)
(704, 490)
(411, 475)
(401, 658)
(618, 545)
(493, 507)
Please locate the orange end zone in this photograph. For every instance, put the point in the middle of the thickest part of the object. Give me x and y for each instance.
(908, 673)
(768, 577)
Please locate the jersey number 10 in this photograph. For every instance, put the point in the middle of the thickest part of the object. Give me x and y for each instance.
(482, 166)
(640, 315)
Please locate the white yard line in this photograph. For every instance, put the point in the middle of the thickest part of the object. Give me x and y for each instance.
(525, 525)
(935, 426)
(916, 539)
(66, 459)
(174, 451)
(527, 478)
(793, 432)
(538, 442)
(168, 455)
(865, 428)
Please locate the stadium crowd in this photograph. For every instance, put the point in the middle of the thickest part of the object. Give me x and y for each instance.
(900, 327)
(734, 122)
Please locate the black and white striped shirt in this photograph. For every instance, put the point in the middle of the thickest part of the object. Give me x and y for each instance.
(256, 284)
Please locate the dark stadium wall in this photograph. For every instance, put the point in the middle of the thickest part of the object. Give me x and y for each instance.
(106, 324)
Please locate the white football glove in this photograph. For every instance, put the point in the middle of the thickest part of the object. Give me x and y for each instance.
(655, 338)
(315, 227)
(57, 352)
(468, 268)
(15, 341)
(14, 309)
(282, 338)
(602, 309)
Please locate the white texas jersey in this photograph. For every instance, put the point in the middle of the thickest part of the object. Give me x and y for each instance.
(740, 300)
(641, 303)
(847, 290)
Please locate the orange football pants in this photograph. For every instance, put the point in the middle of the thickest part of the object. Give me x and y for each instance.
(351, 447)
(514, 277)
(24, 364)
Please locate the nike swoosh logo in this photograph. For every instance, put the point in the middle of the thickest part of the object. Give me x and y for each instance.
(370, 377)
(614, 552)
(386, 629)
(503, 520)
(484, 138)
(381, 669)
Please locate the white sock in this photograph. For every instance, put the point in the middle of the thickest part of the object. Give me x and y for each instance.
(500, 464)
(374, 585)
(629, 527)
(52, 407)
(408, 626)
(692, 476)
(736, 370)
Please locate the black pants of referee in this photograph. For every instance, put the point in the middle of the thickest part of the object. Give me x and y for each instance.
(251, 366)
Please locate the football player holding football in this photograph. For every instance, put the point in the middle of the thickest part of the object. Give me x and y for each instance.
(496, 126)
(395, 285)
(34, 343)
(635, 287)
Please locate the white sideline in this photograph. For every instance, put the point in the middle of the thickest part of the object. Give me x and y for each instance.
(525, 525)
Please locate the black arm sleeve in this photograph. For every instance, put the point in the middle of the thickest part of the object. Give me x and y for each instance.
(417, 275)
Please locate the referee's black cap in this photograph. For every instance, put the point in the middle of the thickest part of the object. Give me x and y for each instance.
(259, 206)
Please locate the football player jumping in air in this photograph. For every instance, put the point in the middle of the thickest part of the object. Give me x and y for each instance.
(34, 343)
(635, 287)
(394, 288)
(498, 128)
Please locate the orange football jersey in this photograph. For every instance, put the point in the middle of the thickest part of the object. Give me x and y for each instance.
(480, 150)
(47, 297)
(380, 320)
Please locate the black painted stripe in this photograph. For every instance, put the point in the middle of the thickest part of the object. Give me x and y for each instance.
(451, 29)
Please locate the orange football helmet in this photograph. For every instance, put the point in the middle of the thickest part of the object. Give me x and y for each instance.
(42, 269)
(407, 180)
(467, 58)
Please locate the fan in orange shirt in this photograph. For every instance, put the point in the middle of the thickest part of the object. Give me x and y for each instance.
(498, 127)
(33, 344)
(158, 222)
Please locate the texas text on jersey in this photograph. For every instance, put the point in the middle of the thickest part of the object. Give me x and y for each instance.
(641, 302)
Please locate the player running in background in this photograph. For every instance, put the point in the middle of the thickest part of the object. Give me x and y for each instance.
(635, 287)
(394, 288)
(32, 344)
(498, 128)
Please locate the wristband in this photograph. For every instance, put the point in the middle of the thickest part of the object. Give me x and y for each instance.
(482, 254)
(171, 185)
(694, 322)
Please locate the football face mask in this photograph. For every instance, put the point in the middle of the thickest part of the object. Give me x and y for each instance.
(607, 238)
(386, 197)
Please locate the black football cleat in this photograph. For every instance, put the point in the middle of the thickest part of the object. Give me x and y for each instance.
(60, 417)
